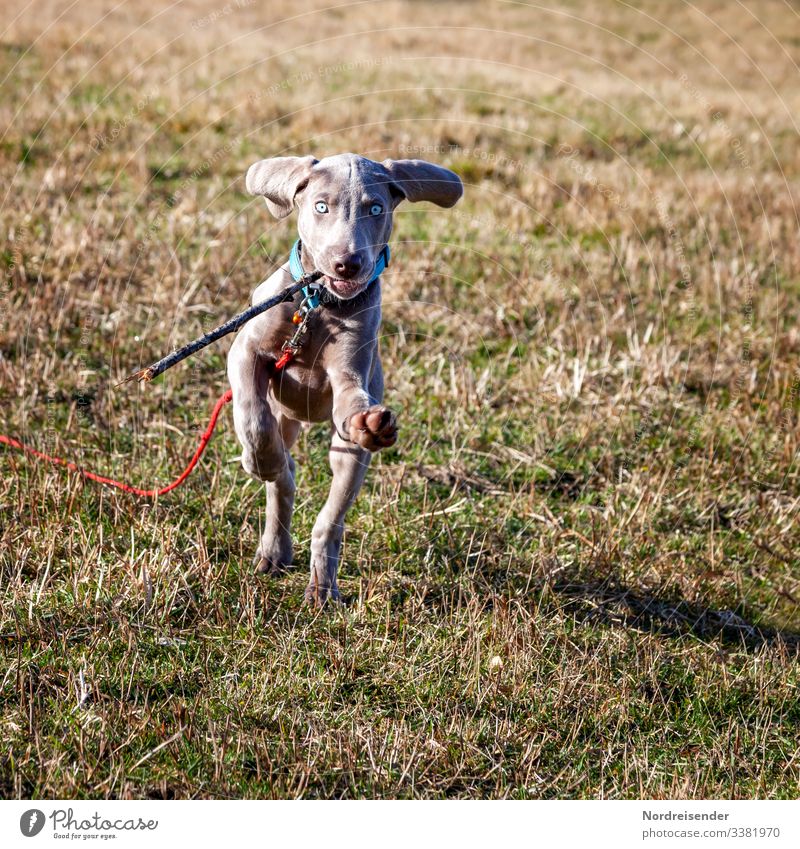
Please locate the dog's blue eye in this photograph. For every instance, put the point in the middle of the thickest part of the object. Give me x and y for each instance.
(375, 209)
(321, 206)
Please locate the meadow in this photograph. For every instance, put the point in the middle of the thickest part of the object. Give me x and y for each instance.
(576, 573)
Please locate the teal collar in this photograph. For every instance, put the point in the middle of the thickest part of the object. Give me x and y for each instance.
(311, 292)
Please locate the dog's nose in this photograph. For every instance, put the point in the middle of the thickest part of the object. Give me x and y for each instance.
(348, 266)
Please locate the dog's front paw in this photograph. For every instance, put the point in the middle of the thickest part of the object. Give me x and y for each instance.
(319, 596)
(273, 558)
(374, 428)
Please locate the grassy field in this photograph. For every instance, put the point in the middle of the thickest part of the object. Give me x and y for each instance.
(576, 574)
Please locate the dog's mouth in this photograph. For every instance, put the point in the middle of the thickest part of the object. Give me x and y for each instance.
(346, 289)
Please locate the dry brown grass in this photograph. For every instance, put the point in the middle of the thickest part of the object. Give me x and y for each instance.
(595, 356)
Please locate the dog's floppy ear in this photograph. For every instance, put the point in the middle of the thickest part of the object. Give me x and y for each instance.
(278, 180)
(416, 179)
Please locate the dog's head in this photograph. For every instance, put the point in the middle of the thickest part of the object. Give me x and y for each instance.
(345, 207)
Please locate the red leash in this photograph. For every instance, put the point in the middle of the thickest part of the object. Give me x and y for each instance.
(147, 493)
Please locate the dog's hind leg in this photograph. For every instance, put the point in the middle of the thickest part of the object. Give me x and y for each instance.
(265, 456)
(275, 549)
(349, 464)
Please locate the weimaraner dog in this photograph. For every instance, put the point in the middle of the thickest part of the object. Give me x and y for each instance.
(334, 374)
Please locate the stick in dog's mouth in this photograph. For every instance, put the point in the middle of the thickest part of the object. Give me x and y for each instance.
(145, 375)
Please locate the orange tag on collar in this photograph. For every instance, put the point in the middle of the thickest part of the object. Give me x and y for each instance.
(285, 358)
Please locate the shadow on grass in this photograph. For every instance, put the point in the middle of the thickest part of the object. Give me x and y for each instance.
(613, 604)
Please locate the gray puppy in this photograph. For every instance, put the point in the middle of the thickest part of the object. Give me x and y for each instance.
(345, 208)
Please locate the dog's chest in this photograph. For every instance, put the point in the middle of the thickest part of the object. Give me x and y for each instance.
(302, 387)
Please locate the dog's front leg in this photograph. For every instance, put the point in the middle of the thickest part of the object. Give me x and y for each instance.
(361, 426)
(358, 415)
(349, 466)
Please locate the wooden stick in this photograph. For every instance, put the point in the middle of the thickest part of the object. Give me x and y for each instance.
(147, 374)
